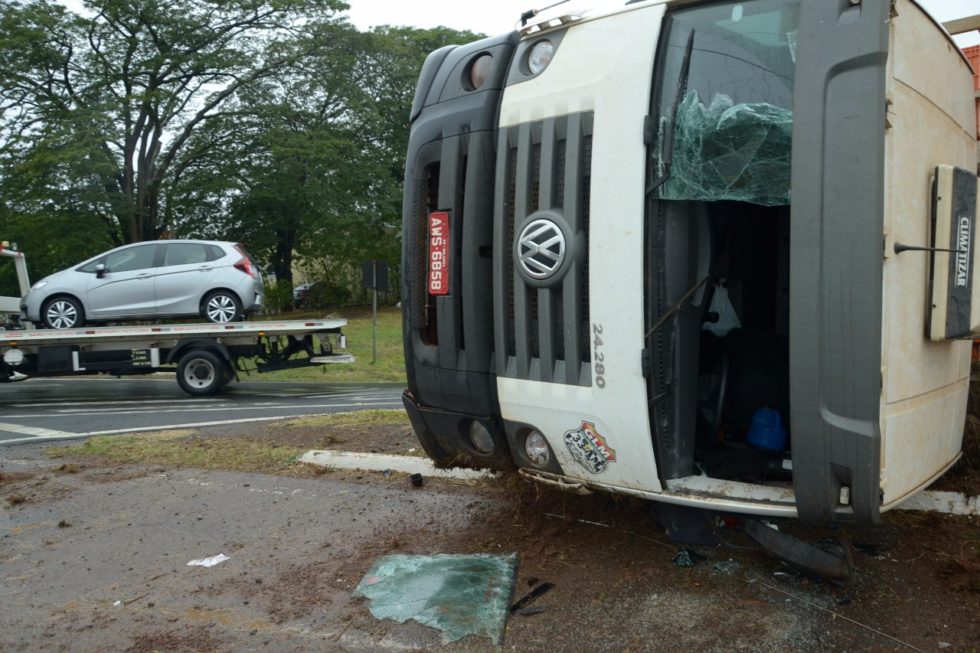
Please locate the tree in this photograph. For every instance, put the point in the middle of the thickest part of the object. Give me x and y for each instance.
(99, 109)
(321, 176)
(295, 160)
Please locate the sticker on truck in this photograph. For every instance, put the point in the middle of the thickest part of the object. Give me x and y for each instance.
(589, 449)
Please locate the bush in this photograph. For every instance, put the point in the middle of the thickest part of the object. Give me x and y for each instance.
(325, 293)
(278, 297)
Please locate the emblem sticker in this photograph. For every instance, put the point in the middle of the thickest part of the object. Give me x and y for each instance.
(589, 448)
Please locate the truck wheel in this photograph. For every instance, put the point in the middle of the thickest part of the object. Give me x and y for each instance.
(227, 375)
(221, 306)
(201, 372)
(62, 313)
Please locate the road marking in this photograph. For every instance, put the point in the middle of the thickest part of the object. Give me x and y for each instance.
(108, 403)
(378, 403)
(35, 431)
(137, 429)
(48, 434)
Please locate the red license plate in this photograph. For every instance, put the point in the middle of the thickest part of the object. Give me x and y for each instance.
(439, 253)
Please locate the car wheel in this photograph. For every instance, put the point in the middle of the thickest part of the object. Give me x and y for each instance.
(221, 306)
(201, 372)
(62, 313)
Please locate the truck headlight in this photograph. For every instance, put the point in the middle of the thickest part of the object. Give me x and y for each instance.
(480, 437)
(539, 56)
(479, 71)
(537, 449)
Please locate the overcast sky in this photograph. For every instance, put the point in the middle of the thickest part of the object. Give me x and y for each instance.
(499, 16)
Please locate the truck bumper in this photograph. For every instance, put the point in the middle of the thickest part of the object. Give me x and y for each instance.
(444, 436)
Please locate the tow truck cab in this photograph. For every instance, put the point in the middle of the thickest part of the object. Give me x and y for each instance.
(715, 254)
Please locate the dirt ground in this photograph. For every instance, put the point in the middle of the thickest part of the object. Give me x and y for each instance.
(93, 557)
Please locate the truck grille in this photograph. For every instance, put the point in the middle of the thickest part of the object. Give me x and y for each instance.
(542, 332)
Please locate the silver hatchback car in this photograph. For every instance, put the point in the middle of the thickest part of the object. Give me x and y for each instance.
(149, 280)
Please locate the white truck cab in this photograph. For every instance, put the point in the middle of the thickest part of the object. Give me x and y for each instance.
(714, 254)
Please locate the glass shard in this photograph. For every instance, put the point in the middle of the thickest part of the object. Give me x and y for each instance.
(459, 595)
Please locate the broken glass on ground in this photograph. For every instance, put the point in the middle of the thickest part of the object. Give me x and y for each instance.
(459, 595)
(727, 151)
(687, 558)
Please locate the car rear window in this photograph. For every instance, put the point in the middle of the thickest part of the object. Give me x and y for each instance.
(187, 254)
(215, 252)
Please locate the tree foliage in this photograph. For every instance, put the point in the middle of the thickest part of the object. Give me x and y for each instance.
(270, 122)
(99, 108)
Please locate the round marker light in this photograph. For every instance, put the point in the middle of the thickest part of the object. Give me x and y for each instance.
(537, 449)
(480, 438)
(540, 56)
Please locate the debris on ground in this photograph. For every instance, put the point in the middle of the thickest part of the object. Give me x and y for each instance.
(726, 566)
(687, 558)
(209, 562)
(531, 597)
(459, 595)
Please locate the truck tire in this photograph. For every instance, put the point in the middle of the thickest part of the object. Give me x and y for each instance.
(62, 312)
(227, 375)
(201, 372)
(221, 306)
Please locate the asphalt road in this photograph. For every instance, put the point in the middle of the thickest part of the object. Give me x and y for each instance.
(39, 410)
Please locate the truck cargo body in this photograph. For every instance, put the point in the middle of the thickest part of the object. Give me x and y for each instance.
(708, 254)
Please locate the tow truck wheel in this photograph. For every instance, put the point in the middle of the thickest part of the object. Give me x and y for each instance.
(221, 306)
(227, 375)
(201, 372)
(62, 313)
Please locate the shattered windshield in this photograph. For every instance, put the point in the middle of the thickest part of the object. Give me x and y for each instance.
(724, 103)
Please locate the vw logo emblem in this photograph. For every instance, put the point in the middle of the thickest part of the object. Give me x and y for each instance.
(541, 249)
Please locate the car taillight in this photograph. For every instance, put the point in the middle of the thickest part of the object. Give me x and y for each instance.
(245, 265)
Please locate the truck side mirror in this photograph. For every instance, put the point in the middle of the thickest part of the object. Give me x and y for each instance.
(100, 270)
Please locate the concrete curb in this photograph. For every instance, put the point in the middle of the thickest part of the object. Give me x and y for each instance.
(947, 503)
(377, 462)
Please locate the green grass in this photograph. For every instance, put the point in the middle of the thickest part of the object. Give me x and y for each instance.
(390, 365)
(356, 418)
(184, 449)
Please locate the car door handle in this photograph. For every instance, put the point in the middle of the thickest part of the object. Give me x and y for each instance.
(204, 268)
(145, 275)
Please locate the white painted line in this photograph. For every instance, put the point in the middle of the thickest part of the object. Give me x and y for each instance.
(192, 409)
(36, 432)
(109, 403)
(165, 427)
(949, 503)
(379, 462)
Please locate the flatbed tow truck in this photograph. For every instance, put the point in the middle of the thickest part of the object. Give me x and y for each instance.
(206, 357)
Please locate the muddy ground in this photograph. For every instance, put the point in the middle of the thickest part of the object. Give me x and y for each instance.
(93, 557)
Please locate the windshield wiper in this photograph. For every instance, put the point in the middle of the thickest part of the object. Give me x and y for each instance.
(668, 151)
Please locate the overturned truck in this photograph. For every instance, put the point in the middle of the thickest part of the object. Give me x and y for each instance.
(714, 254)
